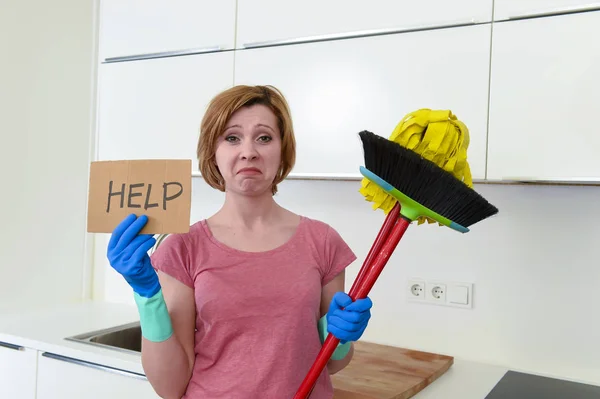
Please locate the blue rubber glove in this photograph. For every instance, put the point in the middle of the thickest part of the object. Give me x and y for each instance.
(128, 255)
(347, 320)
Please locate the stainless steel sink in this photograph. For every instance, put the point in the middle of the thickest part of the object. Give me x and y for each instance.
(124, 338)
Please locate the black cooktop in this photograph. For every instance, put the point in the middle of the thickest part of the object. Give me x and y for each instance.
(515, 385)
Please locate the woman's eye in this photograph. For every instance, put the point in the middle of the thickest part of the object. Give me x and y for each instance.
(231, 138)
(265, 139)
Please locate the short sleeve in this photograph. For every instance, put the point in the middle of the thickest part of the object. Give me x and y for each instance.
(338, 255)
(172, 258)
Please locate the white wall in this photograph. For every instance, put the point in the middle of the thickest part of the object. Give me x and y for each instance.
(46, 95)
(534, 268)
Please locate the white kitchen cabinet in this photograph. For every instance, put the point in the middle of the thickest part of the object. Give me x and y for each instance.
(514, 9)
(64, 378)
(338, 88)
(545, 92)
(17, 371)
(136, 27)
(152, 109)
(261, 21)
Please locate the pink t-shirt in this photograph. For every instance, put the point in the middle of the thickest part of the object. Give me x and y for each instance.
(256, 312)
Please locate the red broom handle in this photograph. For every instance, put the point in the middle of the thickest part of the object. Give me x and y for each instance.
(358, 292)
(382, 236)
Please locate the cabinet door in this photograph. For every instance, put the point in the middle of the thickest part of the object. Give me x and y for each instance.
(512, 9)
(17, 371)
(338, 88)
(300, 20)
(61, 378)
(134, 27)
(545, 91)
(152, 109)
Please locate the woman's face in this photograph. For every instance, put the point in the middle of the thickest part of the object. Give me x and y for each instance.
(248, 153)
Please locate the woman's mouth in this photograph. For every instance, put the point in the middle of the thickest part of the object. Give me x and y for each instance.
(249, 171)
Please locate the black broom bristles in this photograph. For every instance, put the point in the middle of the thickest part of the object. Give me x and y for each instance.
(424, 181)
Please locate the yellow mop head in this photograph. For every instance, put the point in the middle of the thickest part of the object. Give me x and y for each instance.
(437, 135)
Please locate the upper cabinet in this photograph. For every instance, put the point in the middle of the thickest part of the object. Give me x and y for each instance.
(338, 88)
(136, 28)
(345, 66)
(545, 91)
(515, 9)
(260, 21)
(152, 109)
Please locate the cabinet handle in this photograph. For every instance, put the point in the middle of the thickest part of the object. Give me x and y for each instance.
(95, 366)
(313, 176)
(556, 11)
(11, 346)
(358, 34)
(330, 176)
(164, 54)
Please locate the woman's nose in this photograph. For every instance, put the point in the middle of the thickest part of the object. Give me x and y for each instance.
(249, 151)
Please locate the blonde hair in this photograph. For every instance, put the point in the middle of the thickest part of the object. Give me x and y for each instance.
(220, 109)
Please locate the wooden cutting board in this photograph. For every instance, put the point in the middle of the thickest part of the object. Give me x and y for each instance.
(388, 372)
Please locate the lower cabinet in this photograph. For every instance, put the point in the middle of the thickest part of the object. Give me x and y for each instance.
(60, 377)
(17, 371)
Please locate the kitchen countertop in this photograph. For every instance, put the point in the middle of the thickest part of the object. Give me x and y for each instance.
(464, 380)
(45, 330)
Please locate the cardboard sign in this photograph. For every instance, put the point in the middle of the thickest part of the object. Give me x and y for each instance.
(160, 189)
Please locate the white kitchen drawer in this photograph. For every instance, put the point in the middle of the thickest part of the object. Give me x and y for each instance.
(17, 371)
(338, 88)
(137, 27)
(545, 91)
(261, 21)
(66, 378)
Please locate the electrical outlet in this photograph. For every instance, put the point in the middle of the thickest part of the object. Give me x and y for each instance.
(416, 290)
(435, 291)
(445, 293)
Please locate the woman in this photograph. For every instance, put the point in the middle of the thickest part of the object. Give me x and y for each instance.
(239, 306)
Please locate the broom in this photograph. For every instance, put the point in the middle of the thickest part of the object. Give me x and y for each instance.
(435, 134)
(422, 189)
